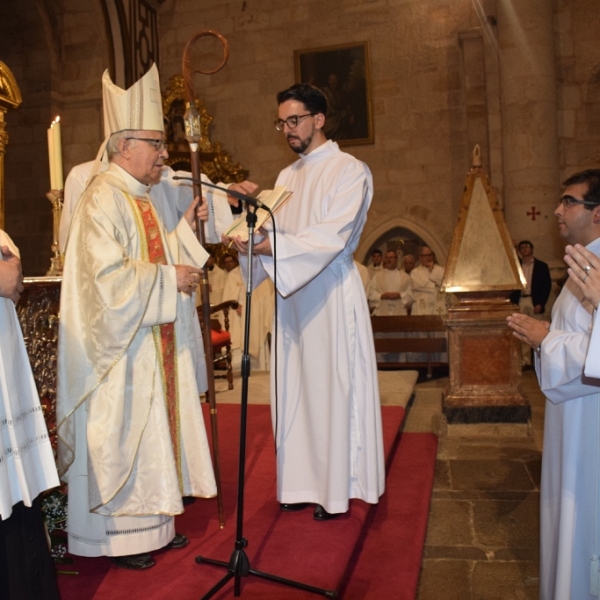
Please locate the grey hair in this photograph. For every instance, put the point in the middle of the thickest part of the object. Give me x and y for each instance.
(112, 148)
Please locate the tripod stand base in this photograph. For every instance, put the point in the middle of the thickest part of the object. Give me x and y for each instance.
(239, 566)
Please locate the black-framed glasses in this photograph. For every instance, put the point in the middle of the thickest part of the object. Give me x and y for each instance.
(155, 143)
(291, 122)
(567, 201)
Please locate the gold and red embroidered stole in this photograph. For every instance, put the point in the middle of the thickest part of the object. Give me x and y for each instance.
(163, 334)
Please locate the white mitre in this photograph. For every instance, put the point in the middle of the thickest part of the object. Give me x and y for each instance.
(138, 108)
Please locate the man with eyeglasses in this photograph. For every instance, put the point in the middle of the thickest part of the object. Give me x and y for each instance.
(390, 290)
(132, 439)
(326, 408)
(426, 284)
(570, 488)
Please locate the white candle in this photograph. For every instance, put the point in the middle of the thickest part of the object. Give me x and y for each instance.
(58, 170)
(51, 157)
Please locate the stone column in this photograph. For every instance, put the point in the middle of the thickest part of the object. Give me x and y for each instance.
(529, 122)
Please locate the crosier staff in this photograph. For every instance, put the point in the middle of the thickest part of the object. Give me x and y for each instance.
(193, 134)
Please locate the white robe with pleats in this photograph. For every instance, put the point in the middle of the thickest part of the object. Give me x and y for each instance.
(324, 394)
(570, 490)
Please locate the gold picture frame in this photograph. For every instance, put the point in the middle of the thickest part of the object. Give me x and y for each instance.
(343, 74)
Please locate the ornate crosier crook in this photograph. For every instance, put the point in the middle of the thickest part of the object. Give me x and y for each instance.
(193, 134)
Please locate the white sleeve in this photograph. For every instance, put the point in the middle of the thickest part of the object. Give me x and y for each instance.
(74, 188)
(5, 240)
(220, 216)
(181, 193)
(592, 360)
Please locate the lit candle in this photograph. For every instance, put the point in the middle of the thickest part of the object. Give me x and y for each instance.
(57, 149)
(51, 157)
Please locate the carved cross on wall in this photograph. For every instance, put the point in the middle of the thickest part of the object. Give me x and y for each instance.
(532, 213)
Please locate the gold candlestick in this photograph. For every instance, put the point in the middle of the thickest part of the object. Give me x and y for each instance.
(56, 262)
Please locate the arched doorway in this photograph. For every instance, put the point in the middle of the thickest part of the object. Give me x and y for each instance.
(403, 235)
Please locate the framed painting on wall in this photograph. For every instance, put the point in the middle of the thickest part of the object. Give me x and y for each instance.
(342, 73)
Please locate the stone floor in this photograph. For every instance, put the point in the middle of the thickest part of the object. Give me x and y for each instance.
(483, 530)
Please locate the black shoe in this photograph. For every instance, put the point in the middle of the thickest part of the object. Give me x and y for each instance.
(294, 507)
(322, 515)
(134, 562)
(179, 541)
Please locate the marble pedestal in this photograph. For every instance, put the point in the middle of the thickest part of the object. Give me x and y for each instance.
(485, 362)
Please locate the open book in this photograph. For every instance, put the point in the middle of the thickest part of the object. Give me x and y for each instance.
(272, 198)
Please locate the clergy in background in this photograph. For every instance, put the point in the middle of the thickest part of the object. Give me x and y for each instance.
(234, 289)
(132, 439)
(390, 290)
(426, 285)
(376, 262)
(408, 263)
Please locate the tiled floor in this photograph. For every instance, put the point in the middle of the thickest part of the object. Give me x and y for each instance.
(483, 531)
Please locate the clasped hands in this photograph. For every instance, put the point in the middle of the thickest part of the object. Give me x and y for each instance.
(584, 272)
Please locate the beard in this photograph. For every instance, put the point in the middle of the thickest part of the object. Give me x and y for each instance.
(304, 144)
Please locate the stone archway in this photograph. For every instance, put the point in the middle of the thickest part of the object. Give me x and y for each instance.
(409, 230)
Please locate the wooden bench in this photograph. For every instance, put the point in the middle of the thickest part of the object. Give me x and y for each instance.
(429, 344)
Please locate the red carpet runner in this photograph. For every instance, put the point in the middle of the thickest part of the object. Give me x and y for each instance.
(380, 561)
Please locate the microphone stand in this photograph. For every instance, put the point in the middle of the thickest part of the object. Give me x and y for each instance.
(239, 564)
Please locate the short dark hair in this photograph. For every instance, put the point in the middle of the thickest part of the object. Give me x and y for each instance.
(592, 178)
(311, 96)
(377, 251)
(525, 242)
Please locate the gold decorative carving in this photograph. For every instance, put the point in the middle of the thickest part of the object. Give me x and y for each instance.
(10, 97)
(56, 198)
(216, 163)
(38, 311)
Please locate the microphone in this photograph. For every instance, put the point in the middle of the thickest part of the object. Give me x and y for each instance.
(248, 199)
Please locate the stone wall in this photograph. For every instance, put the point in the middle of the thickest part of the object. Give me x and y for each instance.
(437, 87)
(420, 153)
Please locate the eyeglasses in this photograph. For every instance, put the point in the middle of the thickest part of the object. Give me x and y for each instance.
(567, 201)
(291, 122)
(155, 143)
